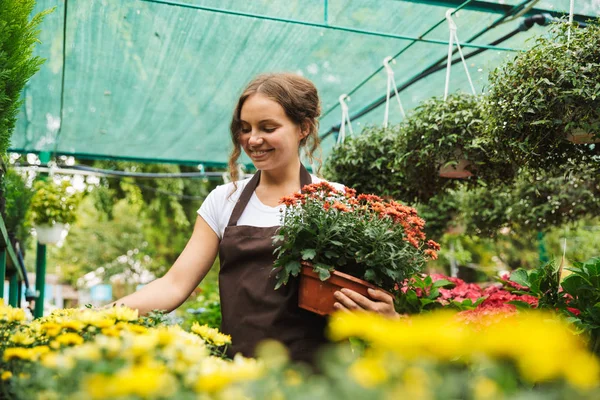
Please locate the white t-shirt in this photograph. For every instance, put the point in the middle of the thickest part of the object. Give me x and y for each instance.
(218, 206)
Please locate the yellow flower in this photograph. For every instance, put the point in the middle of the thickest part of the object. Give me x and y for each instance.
(18, 353)
(87, 351)
(96, 319)
(217, 373)
(292, 378)
(22, 338)
(417, 383)
(6, 375)
(136, 328)
(69, 338)
(211, 335)
(141, 380)
(143, 344)
(368, 371)
(40, 350)
(582, 370)
(73, 325)
(51, 328)
(485, 389)
(56, 360)
(121, 313)
(111, 331)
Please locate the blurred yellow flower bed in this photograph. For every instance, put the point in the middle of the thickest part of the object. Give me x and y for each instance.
(115, 354)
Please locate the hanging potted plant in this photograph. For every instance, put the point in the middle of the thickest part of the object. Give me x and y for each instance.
(369, 162)
(18, 197)
(445, 139)
(52, 208)
(545, 103)
(333, 240)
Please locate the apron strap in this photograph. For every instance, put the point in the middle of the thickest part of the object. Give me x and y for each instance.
(240, 206)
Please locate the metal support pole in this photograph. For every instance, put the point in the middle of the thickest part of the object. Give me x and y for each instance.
(40, 262)
(2, 271)
(40, 280)
(12, 290)
(542, 248)
(19, 294)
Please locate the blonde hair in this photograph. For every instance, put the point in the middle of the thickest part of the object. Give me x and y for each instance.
(300, 100)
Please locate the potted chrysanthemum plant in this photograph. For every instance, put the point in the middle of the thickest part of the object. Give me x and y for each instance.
(334, 239)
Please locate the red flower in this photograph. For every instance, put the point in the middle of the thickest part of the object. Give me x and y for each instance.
(574, 311)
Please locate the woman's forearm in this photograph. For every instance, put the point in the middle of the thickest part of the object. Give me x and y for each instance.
(160, 294)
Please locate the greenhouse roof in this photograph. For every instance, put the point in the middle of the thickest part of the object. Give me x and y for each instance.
(156, 81)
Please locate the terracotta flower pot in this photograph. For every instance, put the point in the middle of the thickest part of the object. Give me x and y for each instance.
(457, 171)
(317, 296)
(578, 136)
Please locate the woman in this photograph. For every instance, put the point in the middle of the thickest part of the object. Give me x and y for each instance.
(275, 117)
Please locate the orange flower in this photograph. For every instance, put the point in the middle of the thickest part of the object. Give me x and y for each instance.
(431, 254)
(326, 206)
(288, 201)
(341, 207)
(349, 192)
(378, 207)
(433, 245)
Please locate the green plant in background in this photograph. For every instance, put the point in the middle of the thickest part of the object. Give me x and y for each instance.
(583, 288)
(537, 201)
(442, 133)
(205, 307)
(440, 213)
(540, 97)
(53, 204)
(18, 197)
(18, 35)
(368, 162)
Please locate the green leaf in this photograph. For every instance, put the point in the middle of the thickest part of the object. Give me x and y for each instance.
(520, 304)
(309, 254)
(293, 268)
(442, 283)
(521, 277)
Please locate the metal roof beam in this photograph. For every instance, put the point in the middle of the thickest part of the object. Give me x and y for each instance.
(497, 8)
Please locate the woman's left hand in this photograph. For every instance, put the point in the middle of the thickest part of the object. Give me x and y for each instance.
(379, 302)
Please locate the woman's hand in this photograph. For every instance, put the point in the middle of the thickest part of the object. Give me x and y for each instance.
(379, 302)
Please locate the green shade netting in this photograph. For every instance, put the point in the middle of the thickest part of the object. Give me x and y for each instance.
(156, 82)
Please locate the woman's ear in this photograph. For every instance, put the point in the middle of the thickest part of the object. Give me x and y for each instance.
(304, 129)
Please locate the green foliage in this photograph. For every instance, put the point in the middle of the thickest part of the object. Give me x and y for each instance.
(18, 197)
(53, 203)
(537, 201)
(543, 94)
(583, 285)
(441, 133)
(369, 162)
(439, 213)
(17, 64)
(542, 282)
(205, 308)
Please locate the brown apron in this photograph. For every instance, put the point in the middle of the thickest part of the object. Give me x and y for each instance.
(252, 309)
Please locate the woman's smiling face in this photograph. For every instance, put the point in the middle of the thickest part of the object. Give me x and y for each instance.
(268, 136)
